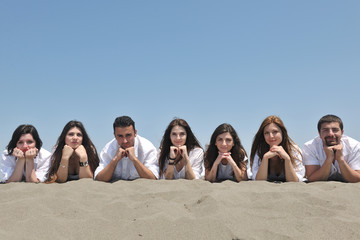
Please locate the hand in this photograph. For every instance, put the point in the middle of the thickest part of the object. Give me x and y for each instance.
(222, 156)
(279, 150)
(183, 151)
(174, 152)
(120, 154)
(329, 151)
(130, 152)
(81, 152)
(18, 153)
(270, 154)
(338, 151)
(31, 153)
(228, 158)
(67, 152)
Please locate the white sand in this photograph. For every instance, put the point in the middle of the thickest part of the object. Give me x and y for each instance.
(180, 209)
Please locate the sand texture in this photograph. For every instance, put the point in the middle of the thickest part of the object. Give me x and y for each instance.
(180, 209)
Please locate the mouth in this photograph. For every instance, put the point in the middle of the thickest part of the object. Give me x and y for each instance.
(331, 141)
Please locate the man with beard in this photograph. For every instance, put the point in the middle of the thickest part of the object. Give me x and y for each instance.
(128, 156)
(332, 155)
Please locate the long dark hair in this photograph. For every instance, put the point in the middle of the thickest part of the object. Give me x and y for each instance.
(21, 130)
(91, 152)
(191, 141)
(260, 146)
(238, 152)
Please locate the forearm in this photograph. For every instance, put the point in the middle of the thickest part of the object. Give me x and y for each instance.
(348, 173)
(169, 173)
(189, 173)
(211, 175)
(290, 173)
(106, 174)
(322, 174)
(17, 174)
(143, 171)
(30, 175)
(63, 171)
(239, 174)
(262, 173)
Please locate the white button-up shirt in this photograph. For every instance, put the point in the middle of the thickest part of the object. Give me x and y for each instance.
(314, 153)
(125, 169)
(41, 165)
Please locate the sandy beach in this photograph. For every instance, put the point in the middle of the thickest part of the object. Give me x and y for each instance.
(181, 209)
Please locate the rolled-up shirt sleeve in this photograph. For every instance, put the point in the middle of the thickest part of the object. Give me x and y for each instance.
(197, 161)
(151, 161)
(42, 165)
(255, 167)
(7, 166)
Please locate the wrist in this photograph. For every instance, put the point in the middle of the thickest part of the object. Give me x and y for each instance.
(171, 161)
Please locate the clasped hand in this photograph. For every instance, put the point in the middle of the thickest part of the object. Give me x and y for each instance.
(28, 154)
(225, 156)
(128, 152)
(277, 151)
(178, 153)
(334, 152)
(68, 151)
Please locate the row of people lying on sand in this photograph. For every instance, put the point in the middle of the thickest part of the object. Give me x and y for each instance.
(274, 156)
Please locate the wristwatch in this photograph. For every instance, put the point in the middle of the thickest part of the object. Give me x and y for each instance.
(84, 164)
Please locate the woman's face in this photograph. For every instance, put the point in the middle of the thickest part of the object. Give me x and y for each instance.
(272, 135)
(224, 142)
(74, 138)
(178, 136)
(25, 142)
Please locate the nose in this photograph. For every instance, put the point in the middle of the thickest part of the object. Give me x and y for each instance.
(223, 143)
(125, 140)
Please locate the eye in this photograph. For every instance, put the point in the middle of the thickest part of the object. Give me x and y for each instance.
(182, 134)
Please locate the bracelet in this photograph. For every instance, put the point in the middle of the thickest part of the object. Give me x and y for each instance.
(171, 158)
(171, 163)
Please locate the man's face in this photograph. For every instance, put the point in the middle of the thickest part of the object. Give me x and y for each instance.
(125, 136)
(331, 133)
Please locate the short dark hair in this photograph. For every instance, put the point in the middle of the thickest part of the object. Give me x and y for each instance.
(328, 119)
(21, 130)
(123, 121)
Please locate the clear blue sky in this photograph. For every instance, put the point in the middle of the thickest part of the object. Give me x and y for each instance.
(206, 61)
